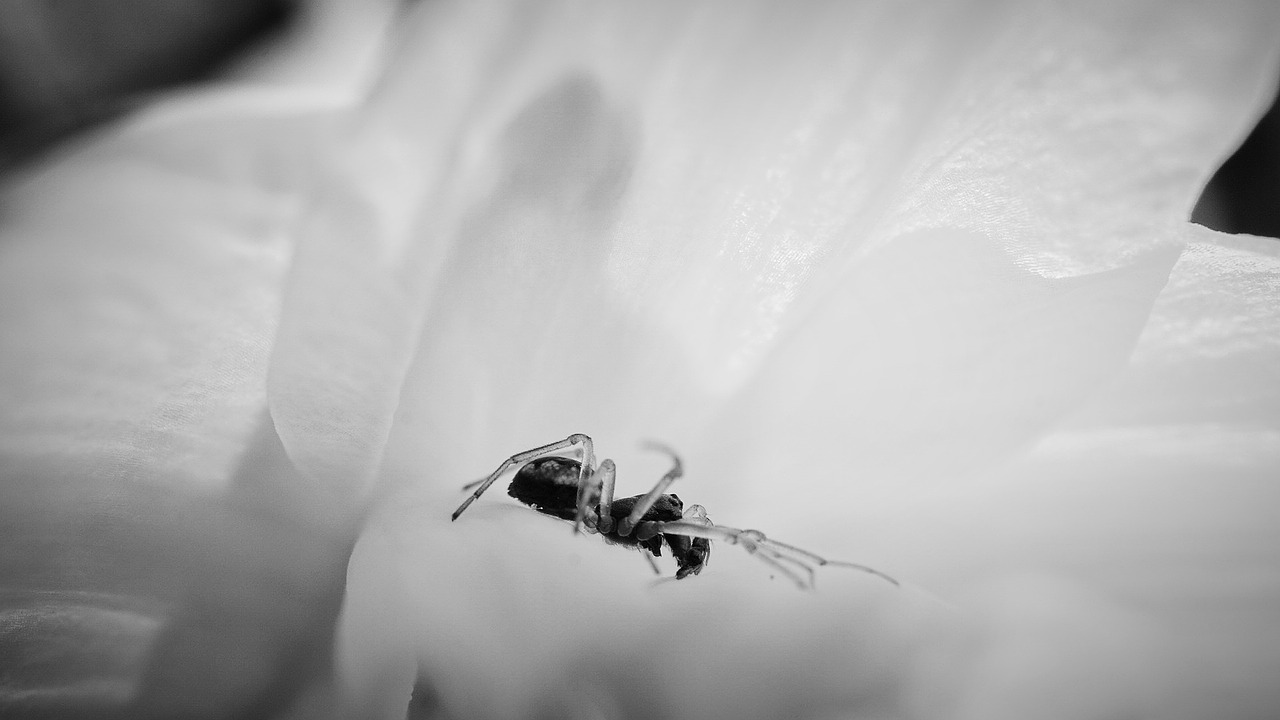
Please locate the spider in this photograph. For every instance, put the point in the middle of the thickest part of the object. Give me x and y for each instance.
(582, 493)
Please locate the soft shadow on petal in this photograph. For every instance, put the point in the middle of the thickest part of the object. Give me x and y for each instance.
(160, 555)
(159, 558)
(389, 192)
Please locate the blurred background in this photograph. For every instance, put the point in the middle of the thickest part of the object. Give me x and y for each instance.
(68, 65)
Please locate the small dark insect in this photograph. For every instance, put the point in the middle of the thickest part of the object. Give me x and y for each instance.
(581, 492)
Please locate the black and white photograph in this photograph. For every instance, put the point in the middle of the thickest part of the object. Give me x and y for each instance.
(639, 360)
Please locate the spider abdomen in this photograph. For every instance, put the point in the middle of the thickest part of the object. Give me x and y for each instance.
(548, 485)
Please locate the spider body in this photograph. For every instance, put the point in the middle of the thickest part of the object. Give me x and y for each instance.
(550, 486)
(582, 492)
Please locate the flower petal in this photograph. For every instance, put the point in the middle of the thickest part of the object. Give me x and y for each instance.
(158, 555)
(1159, 493)
(762, 210)
(735, 219)
(374, 237)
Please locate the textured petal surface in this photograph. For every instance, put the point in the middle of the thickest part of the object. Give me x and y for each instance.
(159, 555)
(632, 207)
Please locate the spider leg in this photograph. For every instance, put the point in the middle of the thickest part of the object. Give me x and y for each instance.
(764, 553)
(588, 458)
(770, 551)
(602, 482)
(756, 542)
(677, 469)
(776, 559)
(598, 484)
(820, 561)
(646, 530)
(750, 542)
